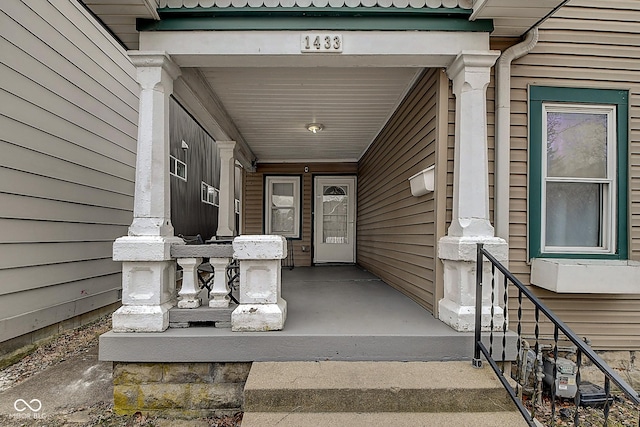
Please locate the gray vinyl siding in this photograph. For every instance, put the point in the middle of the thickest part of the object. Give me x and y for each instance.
(396, 232)
(588, 44)
(68, 128)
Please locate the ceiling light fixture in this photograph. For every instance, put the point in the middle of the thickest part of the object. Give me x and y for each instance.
(315, 127)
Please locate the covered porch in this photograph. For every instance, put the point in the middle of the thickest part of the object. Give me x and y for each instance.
(334, 313)
(393, 103)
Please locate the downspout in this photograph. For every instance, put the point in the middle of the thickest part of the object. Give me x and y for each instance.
(503, 130)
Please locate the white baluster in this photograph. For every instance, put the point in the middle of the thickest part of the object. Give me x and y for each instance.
(219, 295)
(190, 287)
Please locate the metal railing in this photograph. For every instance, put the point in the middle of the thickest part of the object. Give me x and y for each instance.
(524, 379)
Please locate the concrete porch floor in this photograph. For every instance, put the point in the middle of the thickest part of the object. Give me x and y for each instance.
(334, 313)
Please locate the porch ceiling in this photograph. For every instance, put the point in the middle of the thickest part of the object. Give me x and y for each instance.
(266, 106)
(271, 107)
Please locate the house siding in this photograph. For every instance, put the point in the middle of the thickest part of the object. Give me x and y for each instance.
(397, 233)
(253, 200)
(587, 44)
(68, 114)
(189, 214)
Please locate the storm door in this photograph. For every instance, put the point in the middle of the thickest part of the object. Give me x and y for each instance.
(334, 226)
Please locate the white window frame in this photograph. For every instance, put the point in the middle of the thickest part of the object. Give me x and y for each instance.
(173, 168)
(212, 194)
(269, 181)
(608, 215)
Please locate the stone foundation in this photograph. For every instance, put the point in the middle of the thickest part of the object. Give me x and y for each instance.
(625, 363)
(181, 390)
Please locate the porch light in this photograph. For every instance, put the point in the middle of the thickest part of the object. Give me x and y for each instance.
(315, 127)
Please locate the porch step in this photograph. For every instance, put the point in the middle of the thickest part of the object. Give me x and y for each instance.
(395, 419)
(355, 393)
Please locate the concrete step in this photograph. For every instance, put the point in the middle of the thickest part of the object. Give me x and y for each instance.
(373, 387)
(395, 419)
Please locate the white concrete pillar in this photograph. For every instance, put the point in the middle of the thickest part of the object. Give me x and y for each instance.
(470, 73)
(148, 272)
(152, 206)
(226, 208)
(189, 293)
(261, 305)
(219, 295)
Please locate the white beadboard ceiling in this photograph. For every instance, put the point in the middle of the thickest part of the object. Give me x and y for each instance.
(271, 107)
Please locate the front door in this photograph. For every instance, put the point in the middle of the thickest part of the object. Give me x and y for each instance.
(334, 226)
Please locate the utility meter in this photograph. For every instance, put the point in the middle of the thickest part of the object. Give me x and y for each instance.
(566, 371)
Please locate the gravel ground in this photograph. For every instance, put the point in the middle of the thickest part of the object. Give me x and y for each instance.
(71, 344)
(622, 413)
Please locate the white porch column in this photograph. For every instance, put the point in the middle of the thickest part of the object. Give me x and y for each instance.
(470, 73)
(261, 305)
(148, 273)
(226, 209)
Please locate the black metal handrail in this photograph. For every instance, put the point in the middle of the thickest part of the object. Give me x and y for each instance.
(582, 349)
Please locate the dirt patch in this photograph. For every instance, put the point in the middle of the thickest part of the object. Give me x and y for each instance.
(68, 345)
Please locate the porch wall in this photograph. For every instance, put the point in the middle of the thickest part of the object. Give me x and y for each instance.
(253, 199)
(591, 45)
(397, 233)
(68, 102)
(189, 215)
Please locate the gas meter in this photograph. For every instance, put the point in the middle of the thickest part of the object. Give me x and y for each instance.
(566, 370)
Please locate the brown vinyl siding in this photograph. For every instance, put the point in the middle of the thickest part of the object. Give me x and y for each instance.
(587, 44)
(397, 233)
(68, 114)
(253, 199)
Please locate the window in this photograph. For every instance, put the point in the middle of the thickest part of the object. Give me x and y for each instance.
(177, 168)
(335, 210)
(578, 176)
(210, 194)
(282, 206)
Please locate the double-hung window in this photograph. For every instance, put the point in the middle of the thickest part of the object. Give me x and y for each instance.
(578, 173)
(282, 205)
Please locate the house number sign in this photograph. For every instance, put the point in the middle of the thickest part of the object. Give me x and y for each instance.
(321, 43)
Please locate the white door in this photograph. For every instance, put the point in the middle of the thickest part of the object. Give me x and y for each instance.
(334, 228)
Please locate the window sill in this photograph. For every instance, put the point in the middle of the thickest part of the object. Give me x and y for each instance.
(586, 276)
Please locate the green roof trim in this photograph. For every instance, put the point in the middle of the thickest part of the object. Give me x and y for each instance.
(314, 18)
